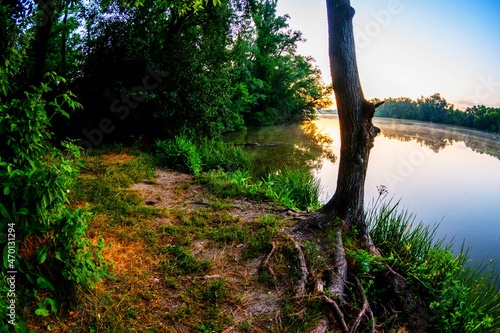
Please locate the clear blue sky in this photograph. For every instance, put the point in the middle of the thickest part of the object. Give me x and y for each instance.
(414, 48)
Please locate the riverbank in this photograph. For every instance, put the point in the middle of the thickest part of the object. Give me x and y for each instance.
(188, 257)
(183, 260)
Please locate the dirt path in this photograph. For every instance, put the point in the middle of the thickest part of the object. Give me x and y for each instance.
(259, 304)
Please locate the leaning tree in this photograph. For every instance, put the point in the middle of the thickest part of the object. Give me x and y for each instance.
(343, 216)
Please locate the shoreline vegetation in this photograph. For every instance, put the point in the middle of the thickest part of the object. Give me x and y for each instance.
(167, 231)
(190, 251)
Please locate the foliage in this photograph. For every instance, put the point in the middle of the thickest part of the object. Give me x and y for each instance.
(276, 186)
(437, 109)
(462, 298)
(163, 68)
(52, 253)
(184, 154)
(180, 153)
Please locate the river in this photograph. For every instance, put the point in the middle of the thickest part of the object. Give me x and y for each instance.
(443, 174)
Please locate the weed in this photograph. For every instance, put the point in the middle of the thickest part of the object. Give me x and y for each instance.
(214, 292)
(228, 234)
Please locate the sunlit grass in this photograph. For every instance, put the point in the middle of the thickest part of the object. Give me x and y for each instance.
(168, 263)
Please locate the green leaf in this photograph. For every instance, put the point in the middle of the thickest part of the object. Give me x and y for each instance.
(24, 211)
(6, 190)
(43, 283)
(52, 303)
(41, 254)
(42, 312)
(3, 212)
(20, 327)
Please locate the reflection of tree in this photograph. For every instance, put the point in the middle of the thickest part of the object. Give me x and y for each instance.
(279, 147)
(437, 137)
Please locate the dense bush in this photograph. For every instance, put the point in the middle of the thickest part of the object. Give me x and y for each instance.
(47, 245)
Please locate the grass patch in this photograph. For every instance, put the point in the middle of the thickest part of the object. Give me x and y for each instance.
(261, 241)
(228, 172)
(185, 154)
(462, 298)
(294, 189)
(179, 261)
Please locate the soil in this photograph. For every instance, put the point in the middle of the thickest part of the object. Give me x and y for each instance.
(260, 303)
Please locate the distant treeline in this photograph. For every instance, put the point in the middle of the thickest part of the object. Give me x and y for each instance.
(437, 110)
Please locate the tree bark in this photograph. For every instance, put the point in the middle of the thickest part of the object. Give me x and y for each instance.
(42, 37)
(357, 132)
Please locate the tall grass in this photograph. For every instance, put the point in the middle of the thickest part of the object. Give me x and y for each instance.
(185, 154)
(291, 188)
(231, 176)
(461, 297)
(179, 153)
(296, 188)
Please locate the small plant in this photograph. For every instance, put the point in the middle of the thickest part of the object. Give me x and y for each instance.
(215, 292)
(180, 261)
(185, 154)
(261, 241)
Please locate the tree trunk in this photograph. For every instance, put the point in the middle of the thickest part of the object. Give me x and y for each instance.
(42, 36)
(345, 210)
(355, 119)
(64, 37)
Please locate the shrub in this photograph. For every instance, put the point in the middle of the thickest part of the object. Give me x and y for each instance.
(184, 154)
(47, 243)
(180, 153)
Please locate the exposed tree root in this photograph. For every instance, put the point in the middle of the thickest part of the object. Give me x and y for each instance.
(331, 286)
(301, 285)
(264, 265)
(338, 313)
(322, 326)
(364, 310)
(339, 272)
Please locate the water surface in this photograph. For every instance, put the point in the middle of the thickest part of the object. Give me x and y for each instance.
(443, 174)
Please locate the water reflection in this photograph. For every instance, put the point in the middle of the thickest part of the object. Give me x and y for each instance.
(437, 137)
(443, 174)
(279, 147)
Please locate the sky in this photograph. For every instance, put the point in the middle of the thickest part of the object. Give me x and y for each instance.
(410, 48)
